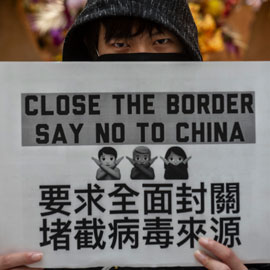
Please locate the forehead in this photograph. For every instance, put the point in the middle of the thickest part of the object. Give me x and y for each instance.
(172, 154)
(128, 27)
(106, 155)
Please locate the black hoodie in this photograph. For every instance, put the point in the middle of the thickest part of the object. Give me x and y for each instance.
(174, 15)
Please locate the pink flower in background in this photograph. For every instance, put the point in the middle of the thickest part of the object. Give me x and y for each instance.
(57, 36)
(256, 4)
(75, 4)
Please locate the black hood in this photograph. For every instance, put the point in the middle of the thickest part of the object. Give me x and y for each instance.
(174, 15)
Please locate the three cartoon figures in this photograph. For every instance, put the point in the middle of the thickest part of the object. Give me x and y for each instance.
(175, 164)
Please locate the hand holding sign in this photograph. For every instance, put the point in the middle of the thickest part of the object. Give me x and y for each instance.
(17, 260)
(228, 259)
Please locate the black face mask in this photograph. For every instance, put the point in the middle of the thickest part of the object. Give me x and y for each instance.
(168, 57)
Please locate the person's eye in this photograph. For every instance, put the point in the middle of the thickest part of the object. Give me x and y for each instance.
(171, 159)
(103, 159)
(162, 41)
(120, 45)
(111, 158)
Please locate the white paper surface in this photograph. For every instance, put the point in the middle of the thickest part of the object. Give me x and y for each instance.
(27, 169)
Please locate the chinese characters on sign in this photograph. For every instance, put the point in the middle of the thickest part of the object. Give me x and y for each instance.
(151, 225)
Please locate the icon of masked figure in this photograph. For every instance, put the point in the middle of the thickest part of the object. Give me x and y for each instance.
(142, 163)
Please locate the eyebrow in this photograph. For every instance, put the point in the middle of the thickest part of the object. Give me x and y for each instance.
(156, 33)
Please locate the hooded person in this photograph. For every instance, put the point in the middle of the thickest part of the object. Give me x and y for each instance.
(174, 16)
(119, 18)
(102, 21)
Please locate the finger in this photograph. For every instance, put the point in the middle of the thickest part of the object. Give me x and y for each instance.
(222, 252)
(96, 161)
(119, 160)
(185, 161)
(164, 160)
(18, 259)
(210, 263)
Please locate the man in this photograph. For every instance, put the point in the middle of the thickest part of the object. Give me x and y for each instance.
(156, 30)
(141, 30)
(142, 163)
(107, 162)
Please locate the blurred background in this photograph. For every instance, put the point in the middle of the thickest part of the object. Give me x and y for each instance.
(229, 30)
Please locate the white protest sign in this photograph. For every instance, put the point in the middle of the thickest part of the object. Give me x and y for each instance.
(107, 164)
